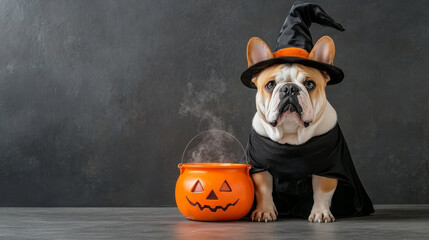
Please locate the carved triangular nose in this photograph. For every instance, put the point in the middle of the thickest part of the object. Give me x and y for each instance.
(212, 196)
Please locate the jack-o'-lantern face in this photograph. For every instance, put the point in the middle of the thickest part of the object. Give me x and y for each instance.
(224, 189)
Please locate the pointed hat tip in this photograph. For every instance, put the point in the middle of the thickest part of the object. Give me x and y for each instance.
(340, 28)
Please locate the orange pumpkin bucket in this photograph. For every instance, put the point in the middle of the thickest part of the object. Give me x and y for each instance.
(214, 191)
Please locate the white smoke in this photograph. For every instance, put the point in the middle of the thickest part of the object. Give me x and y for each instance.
(202, 104)
(206, 106)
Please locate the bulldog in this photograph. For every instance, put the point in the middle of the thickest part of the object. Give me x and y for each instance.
(301, 165)
(292, 108)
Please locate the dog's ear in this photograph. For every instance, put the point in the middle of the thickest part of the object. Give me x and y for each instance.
(257, 50)
(323, 50)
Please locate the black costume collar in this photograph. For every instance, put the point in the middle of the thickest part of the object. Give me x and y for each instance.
(311, 157)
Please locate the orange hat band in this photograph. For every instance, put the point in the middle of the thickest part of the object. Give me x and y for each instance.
(292, 52)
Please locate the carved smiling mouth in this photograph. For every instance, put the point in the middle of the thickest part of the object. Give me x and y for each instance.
(210, 208)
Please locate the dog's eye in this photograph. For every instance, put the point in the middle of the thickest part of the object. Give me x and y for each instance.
(310, 85)
(270, 86)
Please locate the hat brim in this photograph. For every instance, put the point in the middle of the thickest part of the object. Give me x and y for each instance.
(336, 74)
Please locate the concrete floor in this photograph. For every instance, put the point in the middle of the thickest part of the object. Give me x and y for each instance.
(389, 222)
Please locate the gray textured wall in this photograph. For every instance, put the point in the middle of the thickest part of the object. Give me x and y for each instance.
(99, 98)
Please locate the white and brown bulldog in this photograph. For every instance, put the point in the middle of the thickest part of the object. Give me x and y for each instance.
(299, 156)
(292, 108)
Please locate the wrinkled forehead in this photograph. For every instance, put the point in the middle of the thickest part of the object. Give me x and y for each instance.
(290, 73)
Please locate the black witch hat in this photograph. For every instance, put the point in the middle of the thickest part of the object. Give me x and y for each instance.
(295, 43)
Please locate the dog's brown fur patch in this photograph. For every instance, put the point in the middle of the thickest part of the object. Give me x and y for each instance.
(327, 184)
(268, 74)
(318, 78)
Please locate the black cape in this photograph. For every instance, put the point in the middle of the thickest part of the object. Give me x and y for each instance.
(291, 166)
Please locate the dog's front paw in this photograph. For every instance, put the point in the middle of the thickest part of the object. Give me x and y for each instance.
(321, 216)
(265, 212)
(264, 215)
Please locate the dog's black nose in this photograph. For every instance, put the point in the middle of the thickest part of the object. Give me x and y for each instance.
(290, 89)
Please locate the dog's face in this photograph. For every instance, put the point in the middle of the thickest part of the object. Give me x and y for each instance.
(290, 94)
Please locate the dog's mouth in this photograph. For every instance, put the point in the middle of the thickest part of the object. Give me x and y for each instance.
(289, 106)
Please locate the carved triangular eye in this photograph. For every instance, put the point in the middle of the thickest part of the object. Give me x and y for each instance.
(197, 187)
(225, 187)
